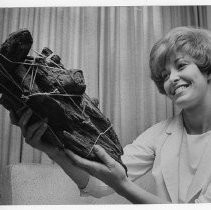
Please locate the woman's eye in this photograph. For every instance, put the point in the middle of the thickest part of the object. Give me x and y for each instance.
(181, 66)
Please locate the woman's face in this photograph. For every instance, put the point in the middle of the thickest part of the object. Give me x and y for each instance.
(184, 84)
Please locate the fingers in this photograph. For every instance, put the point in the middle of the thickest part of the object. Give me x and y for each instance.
(68, 135)
(32, 133)
(33, 137)
(75, 158)
(87, 165)
(90, 165)
(13, 118)
(24, 120)
(14, 115)
(21, 110)
(104, 156)
(35, 132)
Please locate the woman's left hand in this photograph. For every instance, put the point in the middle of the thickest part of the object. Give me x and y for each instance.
(110, 171)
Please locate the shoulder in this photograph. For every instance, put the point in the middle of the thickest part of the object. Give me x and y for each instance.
(162, 126)
(159, 129)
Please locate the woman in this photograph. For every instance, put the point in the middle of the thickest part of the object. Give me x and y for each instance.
(177, 150)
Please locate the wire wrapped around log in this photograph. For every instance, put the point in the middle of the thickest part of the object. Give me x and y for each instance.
(50, 90)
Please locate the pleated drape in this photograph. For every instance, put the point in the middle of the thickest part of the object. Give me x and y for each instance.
(111, 45)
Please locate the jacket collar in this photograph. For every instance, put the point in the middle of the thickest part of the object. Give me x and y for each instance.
(170, 156)
(170, 153)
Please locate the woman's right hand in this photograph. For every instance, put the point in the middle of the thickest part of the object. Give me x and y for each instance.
(34, 132)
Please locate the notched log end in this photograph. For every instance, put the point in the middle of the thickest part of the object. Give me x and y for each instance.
(17, 45)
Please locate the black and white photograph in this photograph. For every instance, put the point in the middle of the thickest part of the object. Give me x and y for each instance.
(105, 105)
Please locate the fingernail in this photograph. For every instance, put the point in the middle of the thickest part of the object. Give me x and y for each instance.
(96, 148)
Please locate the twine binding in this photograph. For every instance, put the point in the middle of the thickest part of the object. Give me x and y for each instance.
(33, 77)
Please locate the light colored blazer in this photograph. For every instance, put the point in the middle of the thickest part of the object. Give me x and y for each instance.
(157, 149)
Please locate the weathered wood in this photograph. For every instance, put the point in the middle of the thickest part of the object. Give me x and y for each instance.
(51, 91)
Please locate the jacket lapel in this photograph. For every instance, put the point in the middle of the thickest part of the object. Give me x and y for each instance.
(170, 157)
(170, 153)
(202, 176)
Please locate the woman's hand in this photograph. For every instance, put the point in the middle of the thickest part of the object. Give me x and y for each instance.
(113, 174)
(34, 132)
(110, 171)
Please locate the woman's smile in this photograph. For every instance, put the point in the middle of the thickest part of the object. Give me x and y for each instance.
(179, 89)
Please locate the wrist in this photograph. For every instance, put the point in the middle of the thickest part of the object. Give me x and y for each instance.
(125, 184)
(55, 154)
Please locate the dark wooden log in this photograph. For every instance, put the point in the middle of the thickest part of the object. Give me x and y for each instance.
(50, 90)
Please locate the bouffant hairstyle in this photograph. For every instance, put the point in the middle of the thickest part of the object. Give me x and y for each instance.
(194, 42)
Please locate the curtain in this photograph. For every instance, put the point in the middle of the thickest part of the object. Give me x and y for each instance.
(111, 45)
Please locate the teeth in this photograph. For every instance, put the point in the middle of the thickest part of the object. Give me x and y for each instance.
(180, 89)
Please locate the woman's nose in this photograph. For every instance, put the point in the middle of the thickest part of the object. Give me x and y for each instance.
(174, 77)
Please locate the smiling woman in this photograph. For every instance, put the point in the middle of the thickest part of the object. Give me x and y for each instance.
(111, 45)
(177, 150)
